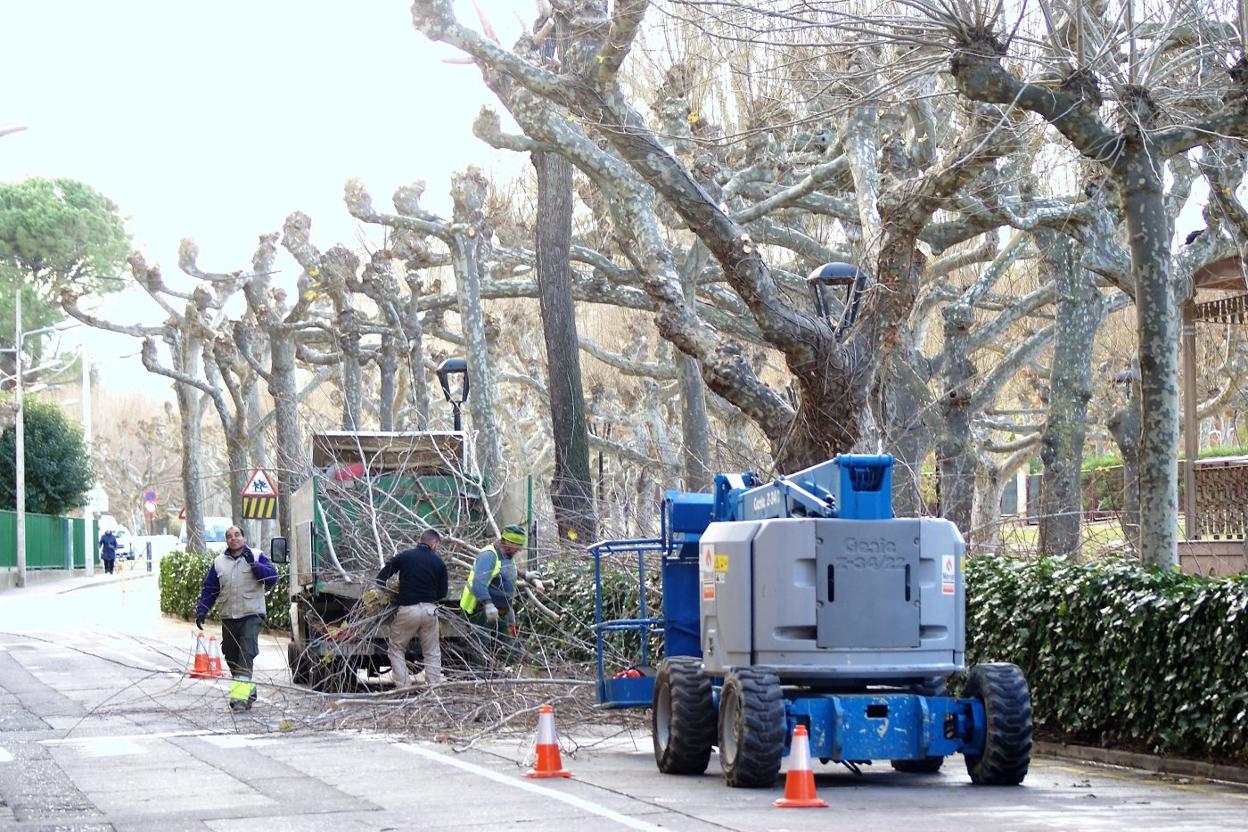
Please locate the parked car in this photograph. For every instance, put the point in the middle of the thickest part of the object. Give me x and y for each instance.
(214, 534)
(124, 549)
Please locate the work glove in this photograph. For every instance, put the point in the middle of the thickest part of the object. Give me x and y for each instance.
(491, 613)
(199, 621)
(532, 575)
(249, 557)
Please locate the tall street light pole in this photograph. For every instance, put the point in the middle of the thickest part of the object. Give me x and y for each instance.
(88, 539)
(20, 447)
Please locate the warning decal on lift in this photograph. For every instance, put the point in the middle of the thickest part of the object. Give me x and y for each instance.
(708, 592)
(947, 575)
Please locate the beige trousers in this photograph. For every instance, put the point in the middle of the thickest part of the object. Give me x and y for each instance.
(415, 621)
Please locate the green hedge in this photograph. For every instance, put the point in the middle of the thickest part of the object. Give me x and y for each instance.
(1118, 655)
(182, 576)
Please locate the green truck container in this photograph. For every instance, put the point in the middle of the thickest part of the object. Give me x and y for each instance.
(369, 496)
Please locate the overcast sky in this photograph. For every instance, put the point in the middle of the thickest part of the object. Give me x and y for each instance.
(216, 120)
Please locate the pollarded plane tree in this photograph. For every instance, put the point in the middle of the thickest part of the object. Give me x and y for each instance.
(1128, 88)
(1171, 77)
(888, 202)
(188, 333)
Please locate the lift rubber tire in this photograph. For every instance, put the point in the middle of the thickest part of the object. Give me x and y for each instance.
(751, 728)
(682, 718)
(928, 765)
(1007, 708)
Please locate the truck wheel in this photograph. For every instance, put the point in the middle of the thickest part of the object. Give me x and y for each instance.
(751, 728)
(1007, 709)
(682, 717)
(300, 666)
(928, 765)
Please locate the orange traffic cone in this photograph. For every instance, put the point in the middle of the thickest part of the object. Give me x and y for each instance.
(200, 670)
(214, 658)
(799, 783)
(548, 763)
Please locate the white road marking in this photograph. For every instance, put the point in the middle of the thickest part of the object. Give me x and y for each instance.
(237, 741)
(528, 786)
(125, 738)
(106, 746)
(5, 757)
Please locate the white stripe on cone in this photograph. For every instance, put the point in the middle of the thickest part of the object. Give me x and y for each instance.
(546, 729)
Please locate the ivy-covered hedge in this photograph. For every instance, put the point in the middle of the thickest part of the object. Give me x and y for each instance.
(182, 576)
(1118, 655)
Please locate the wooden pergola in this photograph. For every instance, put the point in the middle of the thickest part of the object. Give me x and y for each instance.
(1226, 274)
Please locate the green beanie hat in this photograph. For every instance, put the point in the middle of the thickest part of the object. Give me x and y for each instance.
(515, 534)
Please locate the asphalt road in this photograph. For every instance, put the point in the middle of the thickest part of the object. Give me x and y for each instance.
(100, 730)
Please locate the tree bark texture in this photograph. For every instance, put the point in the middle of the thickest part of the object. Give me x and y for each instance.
(1124, 427)
(907, 434)
(955, 448)
(694, 422)
(468, 192)
(1157, 325)
(1079, 315)
(186, 357)
(284, 388)
(571, 487)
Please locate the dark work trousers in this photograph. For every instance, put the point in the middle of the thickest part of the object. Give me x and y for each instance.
(240, 642)
(108, 565)
(495, 641)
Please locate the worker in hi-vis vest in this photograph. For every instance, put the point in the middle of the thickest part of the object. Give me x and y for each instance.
(491, 585)
(236, 581)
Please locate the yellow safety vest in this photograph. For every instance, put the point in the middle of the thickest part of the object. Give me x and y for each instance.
(468, 601)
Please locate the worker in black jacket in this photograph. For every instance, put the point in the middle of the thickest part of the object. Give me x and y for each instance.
(422, 583)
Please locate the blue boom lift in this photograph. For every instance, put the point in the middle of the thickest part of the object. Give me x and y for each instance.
(804, 601)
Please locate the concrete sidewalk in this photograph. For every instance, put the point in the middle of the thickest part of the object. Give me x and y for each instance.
(57, 581)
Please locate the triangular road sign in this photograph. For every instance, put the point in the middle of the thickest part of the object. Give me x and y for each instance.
(260, 484)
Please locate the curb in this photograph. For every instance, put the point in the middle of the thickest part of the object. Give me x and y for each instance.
(111, 580)
(1143, 762)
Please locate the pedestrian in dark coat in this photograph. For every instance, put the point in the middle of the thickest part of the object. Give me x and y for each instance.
(108, 550)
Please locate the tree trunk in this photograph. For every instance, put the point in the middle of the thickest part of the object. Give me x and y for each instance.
(283, 387)
(412, 328)
(185, 358)
(1157, 322)
(955, 448)
(352, 375)
(908, 436)
(695, 424)
(571, 487)
(387, 369)
(259, 452)
(984, 533)
(1124, 427)
(236, 450)
(468, 192)
(1079, 314)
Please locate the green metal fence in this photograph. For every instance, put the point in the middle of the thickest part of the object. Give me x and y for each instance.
(50, 541)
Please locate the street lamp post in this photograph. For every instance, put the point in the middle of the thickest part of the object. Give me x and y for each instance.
(19, 418)
(88, 539)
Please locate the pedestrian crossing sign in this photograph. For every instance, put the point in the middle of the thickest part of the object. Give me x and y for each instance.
(260, 496)
(260, 484)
